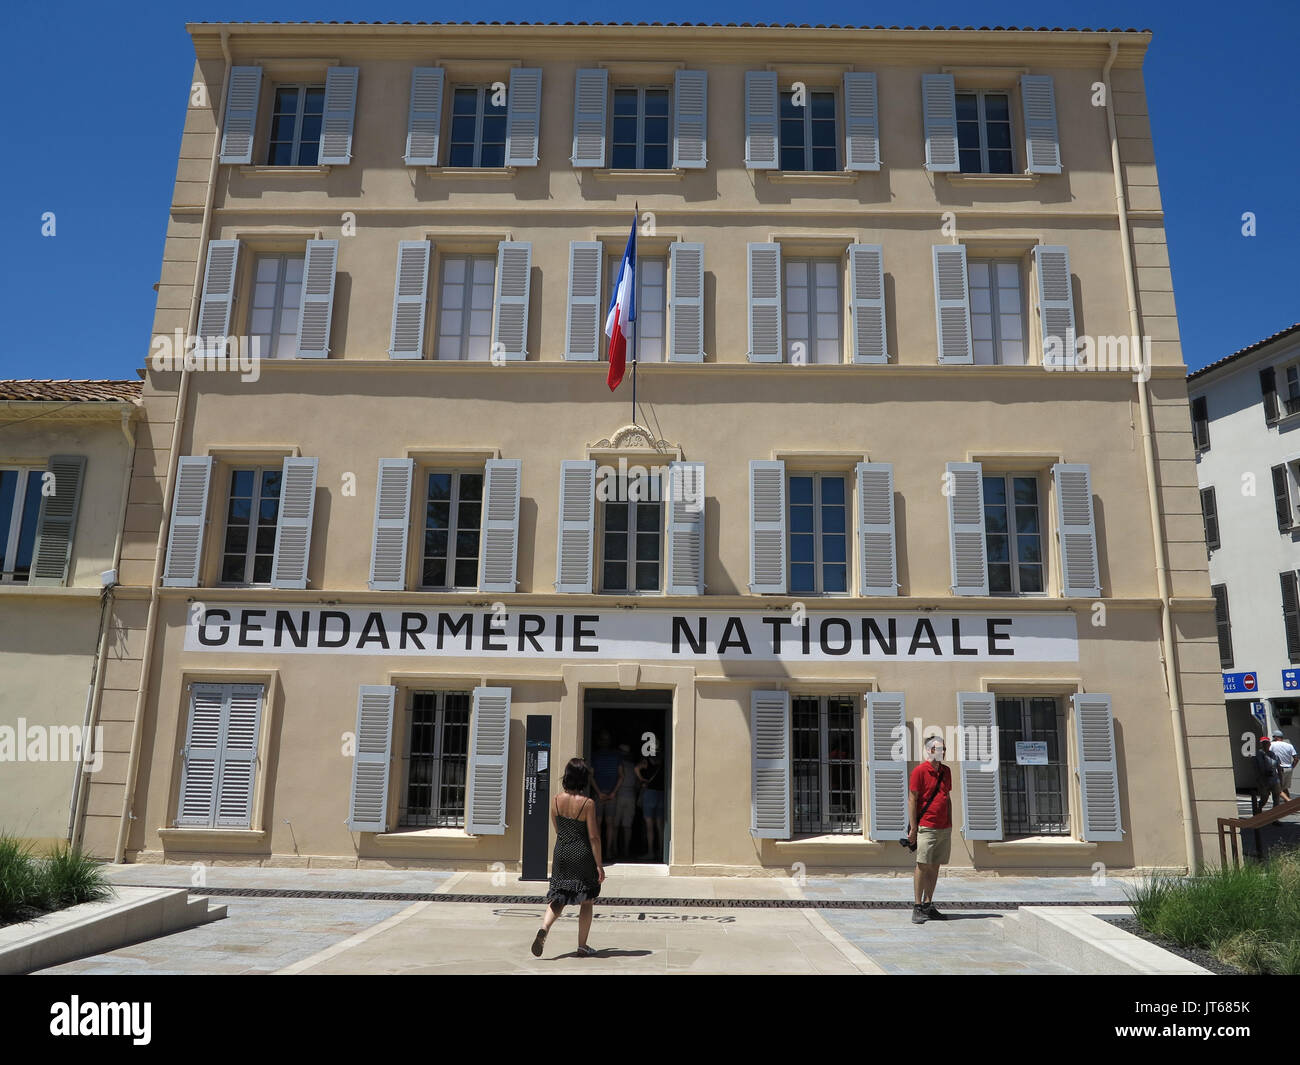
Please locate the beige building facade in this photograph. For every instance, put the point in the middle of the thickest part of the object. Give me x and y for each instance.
(889, 473)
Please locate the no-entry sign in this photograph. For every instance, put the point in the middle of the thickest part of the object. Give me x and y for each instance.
(1237, 683)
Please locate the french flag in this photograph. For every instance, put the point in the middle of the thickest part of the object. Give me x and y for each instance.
(622, 313)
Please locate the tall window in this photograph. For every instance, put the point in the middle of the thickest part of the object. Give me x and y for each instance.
(453, 519)
(1223, 623)
(1291, 395)
(465, 307)
(251, 517)
(20, 505)
(1200, 424)
(1291, 615)
(632, 537)
(640, 134)
(809, 140)
(996, 312)
(984, 132)
(295, 125)
(277, 299)
(1034, 801)
(819, 538)
(1013, 533)
(825, 763)
(478, 128)
(437, 757)
(1210, 518)
(651, 278)
(812, 309)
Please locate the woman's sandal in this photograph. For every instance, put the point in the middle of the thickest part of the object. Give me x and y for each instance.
(585, 951)
(538, 942)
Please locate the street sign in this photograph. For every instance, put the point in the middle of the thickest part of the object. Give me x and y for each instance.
(1291, 679)
(1237, 683)
(1257, 708)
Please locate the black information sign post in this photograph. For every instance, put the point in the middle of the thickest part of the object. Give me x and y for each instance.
(537, 797)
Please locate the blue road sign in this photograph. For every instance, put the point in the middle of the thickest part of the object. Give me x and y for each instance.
(1240, 683)
(1291, 679)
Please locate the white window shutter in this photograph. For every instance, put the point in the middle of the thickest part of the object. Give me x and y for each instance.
(239, 757)
(769, 722)
(293, 530)
(392, 524)
(340, 112)
(410, 299)
(1076, 531)
(317, 299)
(876, 528)
(970, 568)
(887, 764)
(1055, 304)
(239, 123)
(867, 303)
(686, 302)
(218, 293)
(201, 757)
(765, 302)
(691, 119)
(686, 501)
(583, 331)
(981, 790)
(1042, 143)
(762, 142)
(188, 521)
(577, 517)
(500, 538)
(952, 303)
(489, 753)
(510, 307)
(1094, 725)
(56, 522)
(368, 808)
(767, 542)
(590, 96)
(523, 116)
(424, 121)
(939, 96)
(861, 122)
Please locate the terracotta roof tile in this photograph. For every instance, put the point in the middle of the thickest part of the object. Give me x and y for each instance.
(69, 391)
(1244, 351)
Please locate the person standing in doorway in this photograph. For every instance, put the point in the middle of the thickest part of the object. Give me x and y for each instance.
(651, 774)
(625, 801)
(576, 868)
(607, 771)
(1286, 762)
(930, 821)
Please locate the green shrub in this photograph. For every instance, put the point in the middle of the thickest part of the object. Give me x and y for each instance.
(72, 877)
(19, 878)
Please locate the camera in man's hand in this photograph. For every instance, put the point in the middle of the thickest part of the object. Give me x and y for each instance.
(907, 843)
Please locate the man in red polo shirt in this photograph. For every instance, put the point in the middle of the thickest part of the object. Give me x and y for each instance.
(928, 790)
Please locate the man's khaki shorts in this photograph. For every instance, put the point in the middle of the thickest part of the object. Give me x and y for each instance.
(933, 845)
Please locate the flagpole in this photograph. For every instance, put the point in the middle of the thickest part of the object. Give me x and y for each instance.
(636, 281)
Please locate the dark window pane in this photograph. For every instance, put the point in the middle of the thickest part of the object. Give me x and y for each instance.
(801, 519)
(995, 520)
(625, 130)
(835, 579)
(996, 108)
(262, 569)
(494, 129)
(832, 489)
(801, 489)
(286, 99)
(615, 576)
(435, 543)
(967, 107)
(236, 539)
(823, 134)
(656, 158)
(647, 576)
(467, 544)
(624, 157)
(833, 519)
(789, 108)
(823, 105)
(465, 102)
(656, 102)
(439, 486)
(1027, 520)
(625, 101)
(998, 549)
(647, 518)
(265, 539)
(833, 548)
(995, 490)
(823, 159)
(999, 578)
(232, 569)
(1026, 489)
(968, 135)
(311, 128)
(1027, 548)
(970, 162)
(647, 548)
(1031, 578)
(801, 548)
(315, 104)
(999, 162)
(656, 131)
(792, 159)
(461, 155)
(435, 572)
(469, 516)
(616, 545)
(493, 155)
(466, 573)
(267, 511)
(616, 517)
(462, 129)
(999, 135)
(802, 578)
(437, 515)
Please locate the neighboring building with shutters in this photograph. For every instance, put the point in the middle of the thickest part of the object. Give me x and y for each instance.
(869, 485)
(66, 449)
(1246, 425)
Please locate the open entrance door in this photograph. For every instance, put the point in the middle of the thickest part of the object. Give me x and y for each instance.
(631, 731)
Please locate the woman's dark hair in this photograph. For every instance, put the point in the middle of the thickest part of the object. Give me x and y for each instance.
(576, 775)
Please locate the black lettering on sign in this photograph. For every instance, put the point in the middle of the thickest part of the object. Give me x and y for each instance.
(932, 641)
(409, 631)
(682, 627)
(246, 627)
(995, 636)
(957, 648)
(220, 641)
(322, 629)
(445, 624)
(734, 625)
(284, 621)
(373, 631)
(776, 623)
(888, 646)
(529, 627)
(582, 630)
(845, 638)
(490, 630)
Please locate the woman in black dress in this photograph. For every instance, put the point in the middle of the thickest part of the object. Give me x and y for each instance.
(576, 869)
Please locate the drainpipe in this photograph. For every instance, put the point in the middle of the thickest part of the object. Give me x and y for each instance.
(1168, 652)
(160, 549)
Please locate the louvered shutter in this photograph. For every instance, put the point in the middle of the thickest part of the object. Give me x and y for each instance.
(767, 527)
(876, 528)
(510, 308)
(293, 529)
(970, 570)
(340, 111)
(765, 302)
(188, 521)
(981, 791)
(686, 302)
(952, 303)
(691, 119)
(489, 753)
(1290, 615)
(867, 302)
(769, 722)
(218, 293)
(317, 299)
(1282, 499)
(201, 756)
(686, 500)
(410, 299)
(939, 96)
(500, 525)
(1098, 773)
(762, 142)
(424, 120)
(1223, 623)
(239, 757)
(1075, 530)
(1210, 518)
(886, 741)
(1055, 304)
(1268, 388)
(523, 116)
(368, 809)
(583, 329)
(590, 96)
(1042, 144)
(56, 522)
(392, 524)
(239, 123)
(577, 526)
(861, 124)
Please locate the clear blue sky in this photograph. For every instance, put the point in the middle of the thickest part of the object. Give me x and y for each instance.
(100, 149)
